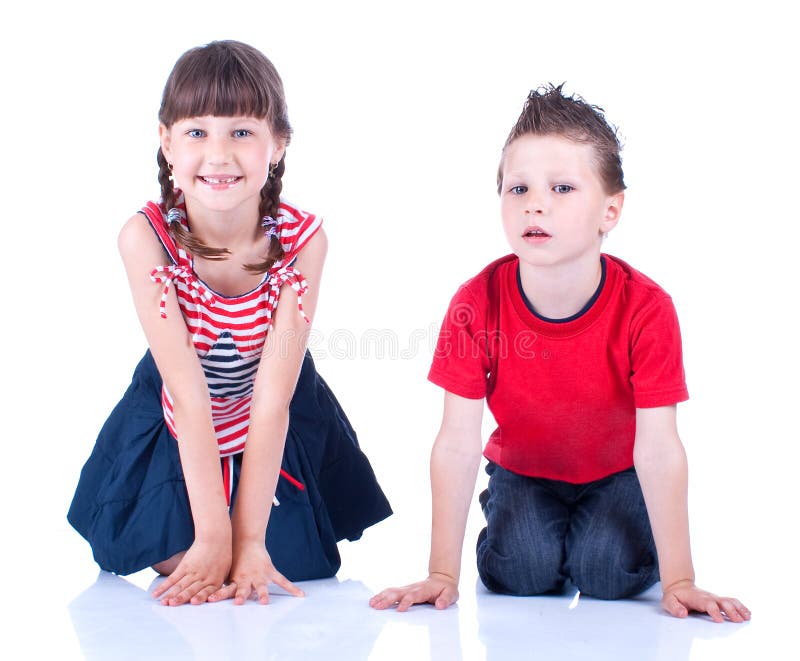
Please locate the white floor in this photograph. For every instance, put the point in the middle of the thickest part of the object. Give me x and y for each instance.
(83, 613)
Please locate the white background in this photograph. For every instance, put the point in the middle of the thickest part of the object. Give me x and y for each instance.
(399, 112)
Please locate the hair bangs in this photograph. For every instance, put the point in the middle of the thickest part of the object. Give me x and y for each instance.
(223, 80)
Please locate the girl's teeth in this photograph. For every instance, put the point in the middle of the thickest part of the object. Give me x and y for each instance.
(214, 180)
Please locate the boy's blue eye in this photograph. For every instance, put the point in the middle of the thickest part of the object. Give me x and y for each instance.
(563, 188)
(519, 190)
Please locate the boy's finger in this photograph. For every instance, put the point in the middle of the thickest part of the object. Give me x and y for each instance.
(673, 606)
(406, 602)
(446, 598)
(384, 599)
(712, 608)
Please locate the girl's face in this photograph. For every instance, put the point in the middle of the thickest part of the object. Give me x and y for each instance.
(221, 163)
(552, 201)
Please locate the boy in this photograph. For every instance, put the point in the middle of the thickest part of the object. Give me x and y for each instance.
(579, 358)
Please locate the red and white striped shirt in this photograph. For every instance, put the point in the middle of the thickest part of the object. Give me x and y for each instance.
(229, 331)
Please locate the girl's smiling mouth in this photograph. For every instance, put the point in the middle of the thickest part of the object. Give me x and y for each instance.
(223, 180)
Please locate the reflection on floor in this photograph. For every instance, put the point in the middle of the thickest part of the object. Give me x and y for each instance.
(117, 618)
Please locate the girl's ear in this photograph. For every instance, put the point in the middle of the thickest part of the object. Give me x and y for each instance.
(612, 213)
(166, 142)
(280, 151)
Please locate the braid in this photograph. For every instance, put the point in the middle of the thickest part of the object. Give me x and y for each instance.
(177, 231)
(270, 206)
(167, 189)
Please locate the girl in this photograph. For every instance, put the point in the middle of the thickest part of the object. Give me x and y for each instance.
(578, 356)
(242, 442)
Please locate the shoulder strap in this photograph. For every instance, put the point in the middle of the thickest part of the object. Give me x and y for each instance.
(156, 218)
(296, 228)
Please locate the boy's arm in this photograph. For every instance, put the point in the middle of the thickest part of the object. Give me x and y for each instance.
(455, 459)
(660, 463)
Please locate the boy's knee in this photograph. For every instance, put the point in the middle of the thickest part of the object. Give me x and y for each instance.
(611, 572)
(518, 571)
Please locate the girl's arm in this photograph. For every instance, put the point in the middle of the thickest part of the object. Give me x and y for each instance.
(275, 382)
(455, 459)
(660, 463)
(204, 567)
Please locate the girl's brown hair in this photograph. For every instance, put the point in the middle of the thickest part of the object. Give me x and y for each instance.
(548, 111)
(225, 79)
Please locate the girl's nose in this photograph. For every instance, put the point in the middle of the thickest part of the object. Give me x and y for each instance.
(218, 150)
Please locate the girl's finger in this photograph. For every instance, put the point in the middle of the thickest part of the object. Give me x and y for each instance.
(243, 591)
(263, 593)
(173, 591)
(166, 584)
(186, 594)
(225, 592)
(281, 581)
(204, 594)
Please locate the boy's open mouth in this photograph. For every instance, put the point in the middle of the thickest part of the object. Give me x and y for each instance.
(535, 232)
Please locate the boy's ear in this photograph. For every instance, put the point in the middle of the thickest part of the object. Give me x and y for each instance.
(166, 142)
(613, 212)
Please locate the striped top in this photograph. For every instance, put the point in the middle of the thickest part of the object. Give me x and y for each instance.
(229, 331)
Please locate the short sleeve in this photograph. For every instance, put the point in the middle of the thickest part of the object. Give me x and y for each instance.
(657, 374)
(461, 360)
(296, 228)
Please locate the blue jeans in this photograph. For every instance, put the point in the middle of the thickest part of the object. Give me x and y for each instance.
(539, 533)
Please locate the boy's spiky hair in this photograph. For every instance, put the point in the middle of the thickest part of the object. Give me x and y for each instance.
(548, 111)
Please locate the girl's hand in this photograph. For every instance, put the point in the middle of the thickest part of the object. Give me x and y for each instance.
(438, 589)
(199, 574)
(681, 598)
(251, 574)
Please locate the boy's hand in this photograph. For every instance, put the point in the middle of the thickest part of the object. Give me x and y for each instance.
(200, 572)
(683, 597)
(251, 574)
(438, 589)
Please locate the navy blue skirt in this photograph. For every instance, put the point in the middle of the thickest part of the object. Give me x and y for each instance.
(132, 507)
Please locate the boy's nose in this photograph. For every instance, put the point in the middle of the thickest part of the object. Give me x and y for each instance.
(534, 205)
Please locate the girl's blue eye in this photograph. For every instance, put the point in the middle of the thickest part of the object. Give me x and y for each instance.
(195, 133)
(519, 190)
(563, 188)
(241, 133)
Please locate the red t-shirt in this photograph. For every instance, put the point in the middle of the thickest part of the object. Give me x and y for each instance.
(564, 394)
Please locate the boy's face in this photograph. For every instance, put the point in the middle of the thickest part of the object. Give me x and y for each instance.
(553, 204)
